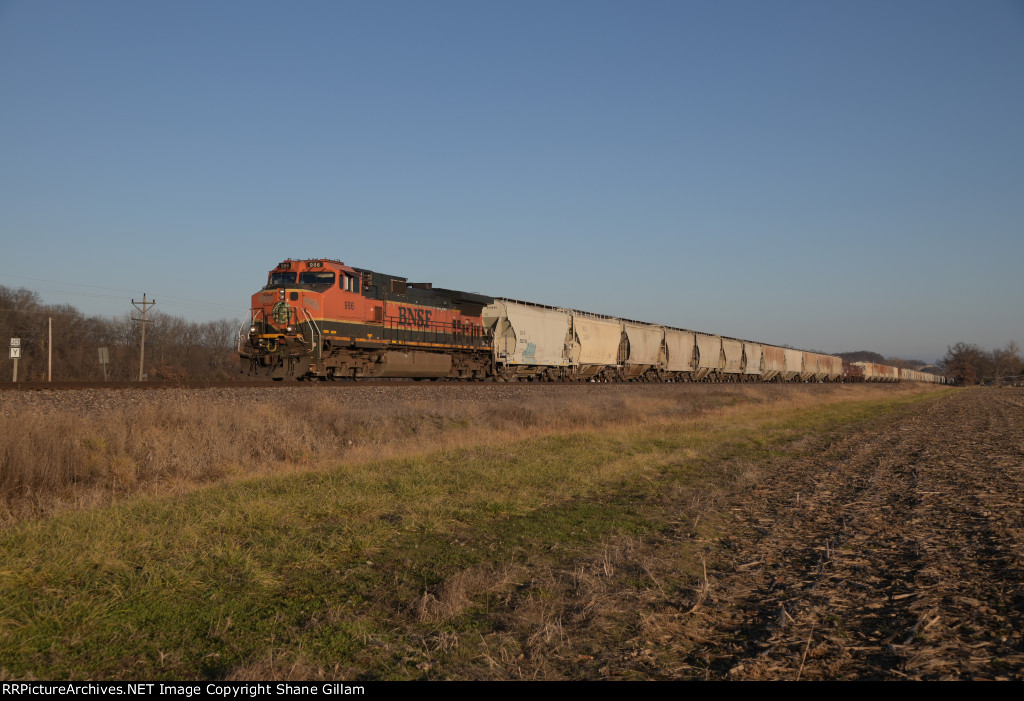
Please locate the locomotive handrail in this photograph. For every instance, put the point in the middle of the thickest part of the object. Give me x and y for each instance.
(319, 336)
(243, 336)
(243, 330)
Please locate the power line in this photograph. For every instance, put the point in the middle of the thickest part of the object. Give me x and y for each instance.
(65, 282)
(183, 301)
(75, 293)
(211, 307)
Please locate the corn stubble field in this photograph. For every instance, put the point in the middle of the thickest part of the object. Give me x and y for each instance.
(423, 531)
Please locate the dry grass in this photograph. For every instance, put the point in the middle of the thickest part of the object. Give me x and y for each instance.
(537, 532)
(54, 460)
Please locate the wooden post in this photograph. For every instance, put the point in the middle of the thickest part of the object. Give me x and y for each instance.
(15, 354)
(142, 350)
(104, 359)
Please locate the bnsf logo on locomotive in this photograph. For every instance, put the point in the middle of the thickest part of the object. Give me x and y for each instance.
(408, 316)
(281, 313)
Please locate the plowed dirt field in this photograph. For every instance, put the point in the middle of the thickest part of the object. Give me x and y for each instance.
(896, 554)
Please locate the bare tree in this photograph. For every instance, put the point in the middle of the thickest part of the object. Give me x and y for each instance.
(1006, 361)
(176, 348)
(965, 362)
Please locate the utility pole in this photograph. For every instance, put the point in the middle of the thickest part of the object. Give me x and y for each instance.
(145, 307)
(49, 353)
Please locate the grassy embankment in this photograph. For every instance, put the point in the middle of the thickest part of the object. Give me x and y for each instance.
(468, 560)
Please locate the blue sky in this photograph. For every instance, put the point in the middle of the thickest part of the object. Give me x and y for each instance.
(831, 175)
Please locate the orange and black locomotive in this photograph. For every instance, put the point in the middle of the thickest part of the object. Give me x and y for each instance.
(319, 318)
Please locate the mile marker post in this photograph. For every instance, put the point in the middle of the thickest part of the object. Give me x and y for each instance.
(15, 354)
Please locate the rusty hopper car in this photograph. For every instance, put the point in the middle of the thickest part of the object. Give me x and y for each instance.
(321, 319)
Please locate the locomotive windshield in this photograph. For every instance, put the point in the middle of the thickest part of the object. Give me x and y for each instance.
(280, 279)
(318, 278)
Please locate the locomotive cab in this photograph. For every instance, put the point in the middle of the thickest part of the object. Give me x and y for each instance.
(288, 315)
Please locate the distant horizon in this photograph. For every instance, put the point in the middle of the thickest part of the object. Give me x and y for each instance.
(237, 320)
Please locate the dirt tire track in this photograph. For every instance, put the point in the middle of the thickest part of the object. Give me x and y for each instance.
(893, 554)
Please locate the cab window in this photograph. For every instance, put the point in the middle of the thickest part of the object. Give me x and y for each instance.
(281, 279)
(349, 283)
(317, 278)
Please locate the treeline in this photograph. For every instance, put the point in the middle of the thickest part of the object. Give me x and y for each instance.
(970, 364)
(865, 356)
(176, 348)
(965, 363)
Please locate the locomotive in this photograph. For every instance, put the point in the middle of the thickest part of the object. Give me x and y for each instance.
(321, 319)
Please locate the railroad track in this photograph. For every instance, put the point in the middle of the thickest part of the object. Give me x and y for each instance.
(181, 384)
(160, 384)
(362, 382)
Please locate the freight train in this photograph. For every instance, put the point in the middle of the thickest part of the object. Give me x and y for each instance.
(321, 319)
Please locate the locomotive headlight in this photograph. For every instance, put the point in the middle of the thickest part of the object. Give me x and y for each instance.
(280, 293)
(290, 329)
(252, 329)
